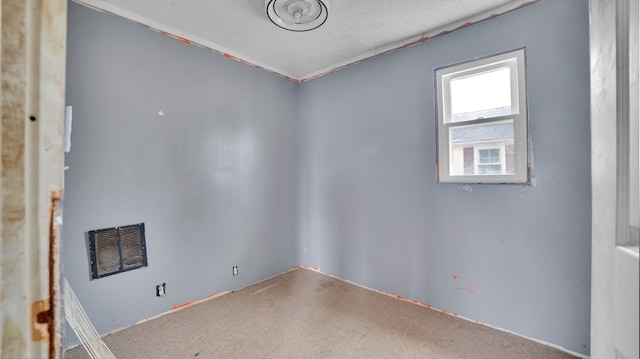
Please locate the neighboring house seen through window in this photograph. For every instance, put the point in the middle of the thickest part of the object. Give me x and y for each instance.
(482, 120)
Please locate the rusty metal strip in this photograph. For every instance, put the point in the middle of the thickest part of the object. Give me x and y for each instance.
(55, 265)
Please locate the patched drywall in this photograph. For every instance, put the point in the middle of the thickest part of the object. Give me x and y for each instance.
(200, 148)
(512, 256)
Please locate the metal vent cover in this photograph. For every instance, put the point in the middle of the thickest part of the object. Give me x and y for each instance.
(117, 249)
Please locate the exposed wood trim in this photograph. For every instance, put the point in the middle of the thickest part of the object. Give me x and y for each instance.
(623, 107)
(33, 55)
(602, 38)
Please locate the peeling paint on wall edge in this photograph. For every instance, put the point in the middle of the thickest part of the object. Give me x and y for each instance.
(424, 37)
(229, 56)
(92, 7)
(415, 42)
(456, 315)
(180, 38)
(186, 40)
(391, 47)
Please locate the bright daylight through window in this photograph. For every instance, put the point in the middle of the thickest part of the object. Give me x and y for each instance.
(482, 120)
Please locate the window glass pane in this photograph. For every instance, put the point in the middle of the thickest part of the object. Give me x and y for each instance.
(491, 155)
(490, 169)
(482, 120)
(482, 149)
(482, 95)
(492, 131)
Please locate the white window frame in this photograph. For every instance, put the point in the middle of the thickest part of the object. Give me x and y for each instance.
(476, 159)
(515, 60)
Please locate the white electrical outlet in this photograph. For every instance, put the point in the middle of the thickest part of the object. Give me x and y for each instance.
(161, 290)
(235, 271)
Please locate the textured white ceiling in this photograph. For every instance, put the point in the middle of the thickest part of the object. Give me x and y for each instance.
(355, 29)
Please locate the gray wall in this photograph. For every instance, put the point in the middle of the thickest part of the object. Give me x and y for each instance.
(373, 213)
(214, 179)
(231, 175)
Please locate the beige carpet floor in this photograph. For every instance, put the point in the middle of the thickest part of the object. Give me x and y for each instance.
(305, 314)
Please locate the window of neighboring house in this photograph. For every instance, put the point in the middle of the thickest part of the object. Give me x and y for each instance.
(482, 120)
(490, 161)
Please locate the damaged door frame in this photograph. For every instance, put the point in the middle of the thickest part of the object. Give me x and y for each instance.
(33, 58)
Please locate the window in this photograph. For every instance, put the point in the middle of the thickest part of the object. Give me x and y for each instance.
(118, 249)
(482, 120)
(489, 162)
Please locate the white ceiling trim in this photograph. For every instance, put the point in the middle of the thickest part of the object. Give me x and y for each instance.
(105, 7)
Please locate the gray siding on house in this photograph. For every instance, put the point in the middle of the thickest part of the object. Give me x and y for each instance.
(512, 256)
(485, 132)
(198, 147)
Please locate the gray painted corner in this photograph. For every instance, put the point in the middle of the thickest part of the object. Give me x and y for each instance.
(198, 147)
(512, 256)
(228, 165)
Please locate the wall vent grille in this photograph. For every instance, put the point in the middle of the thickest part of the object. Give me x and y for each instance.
(118, 249)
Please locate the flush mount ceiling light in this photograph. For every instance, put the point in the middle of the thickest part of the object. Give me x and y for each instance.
(297, 15)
